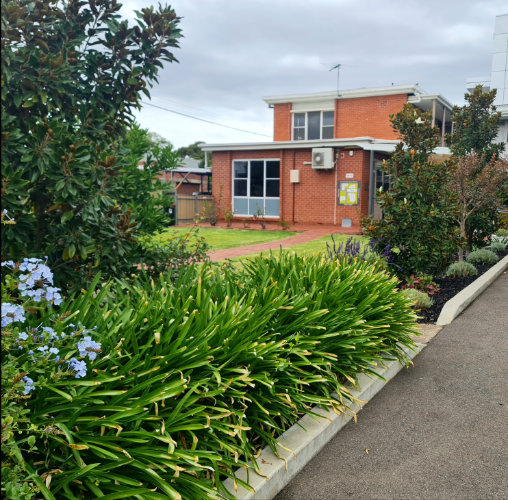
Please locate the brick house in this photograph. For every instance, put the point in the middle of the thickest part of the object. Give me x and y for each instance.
(323, 164)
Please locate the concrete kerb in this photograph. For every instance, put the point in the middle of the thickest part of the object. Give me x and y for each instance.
(458, 303)
(301, 442)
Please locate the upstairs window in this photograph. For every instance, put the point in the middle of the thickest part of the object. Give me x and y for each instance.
(313, 125)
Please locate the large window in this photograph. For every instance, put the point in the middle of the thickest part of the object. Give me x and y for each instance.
(313, 125)
(256, 186)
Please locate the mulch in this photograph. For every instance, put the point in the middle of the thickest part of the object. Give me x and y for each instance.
(448, 288)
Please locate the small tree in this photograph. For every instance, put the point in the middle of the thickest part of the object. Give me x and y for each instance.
(474, 132)
(417, 219)
(475, 185)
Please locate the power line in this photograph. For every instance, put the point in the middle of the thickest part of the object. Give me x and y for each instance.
(203, 120)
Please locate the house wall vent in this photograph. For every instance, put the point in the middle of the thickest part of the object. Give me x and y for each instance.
(322, 158)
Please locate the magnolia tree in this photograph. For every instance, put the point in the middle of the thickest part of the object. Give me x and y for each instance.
(418, 223)
(73, 73)
(475, 185)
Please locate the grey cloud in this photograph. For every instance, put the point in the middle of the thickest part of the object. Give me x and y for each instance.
(234, 52)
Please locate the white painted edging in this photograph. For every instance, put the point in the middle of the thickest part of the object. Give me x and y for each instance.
(456, 305)
(306, 439)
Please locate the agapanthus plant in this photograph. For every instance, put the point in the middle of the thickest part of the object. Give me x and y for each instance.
(39, 346)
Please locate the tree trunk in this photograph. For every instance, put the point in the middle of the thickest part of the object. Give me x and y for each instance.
(462, 227)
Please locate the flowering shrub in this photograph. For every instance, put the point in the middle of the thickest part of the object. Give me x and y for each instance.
(34, 355)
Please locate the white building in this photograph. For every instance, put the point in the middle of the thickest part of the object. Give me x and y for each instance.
(499, 75)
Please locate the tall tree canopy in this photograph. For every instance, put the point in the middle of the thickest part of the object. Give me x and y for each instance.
(72, 74)
(475, 130)
(475, 126)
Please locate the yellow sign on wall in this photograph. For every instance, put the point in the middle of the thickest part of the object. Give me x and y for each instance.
(349, 192)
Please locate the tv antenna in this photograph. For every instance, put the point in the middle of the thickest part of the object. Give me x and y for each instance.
(337, 67)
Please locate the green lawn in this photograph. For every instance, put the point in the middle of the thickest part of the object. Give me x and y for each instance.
(219, 238)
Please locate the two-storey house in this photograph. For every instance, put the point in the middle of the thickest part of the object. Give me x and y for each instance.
(323, 164)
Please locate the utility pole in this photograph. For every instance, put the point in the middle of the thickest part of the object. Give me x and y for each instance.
(337, 67)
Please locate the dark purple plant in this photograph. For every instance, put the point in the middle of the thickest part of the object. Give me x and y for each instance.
(351, 249)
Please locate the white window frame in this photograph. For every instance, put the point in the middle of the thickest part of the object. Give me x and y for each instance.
(248, 197)
(321, 126)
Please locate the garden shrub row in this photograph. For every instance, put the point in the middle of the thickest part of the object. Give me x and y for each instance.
(195, 377)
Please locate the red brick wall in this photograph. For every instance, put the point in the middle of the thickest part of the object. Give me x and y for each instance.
(359, 117)
(282, 122)
(367, 116)
(313, 199)
(221, 179)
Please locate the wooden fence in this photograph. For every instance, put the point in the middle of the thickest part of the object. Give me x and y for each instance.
(190, 207)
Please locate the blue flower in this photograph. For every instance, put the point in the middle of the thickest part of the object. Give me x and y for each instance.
(53, 350)
(88, 347)
(51, 332)
(79, 367)
(12, 313)
(23, 336)
(43, 349)
(53, 294)
(9, 263)
(29, 385)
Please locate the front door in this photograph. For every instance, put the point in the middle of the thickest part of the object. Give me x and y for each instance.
(383, 180)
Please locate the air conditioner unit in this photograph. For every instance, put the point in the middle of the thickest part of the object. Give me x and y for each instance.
(322, 158)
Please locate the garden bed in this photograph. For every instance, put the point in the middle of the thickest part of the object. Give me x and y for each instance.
(448, 288)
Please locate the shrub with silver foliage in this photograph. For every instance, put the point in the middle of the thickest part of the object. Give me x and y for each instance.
(483, 256)
(498, 247)
(461, 269)
(420, 300)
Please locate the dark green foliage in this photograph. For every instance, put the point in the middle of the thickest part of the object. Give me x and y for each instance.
(475, 128)
(142, 190)
(72, 74)
(418, 219)
(195, 378)
(482, 257)
(461, 269)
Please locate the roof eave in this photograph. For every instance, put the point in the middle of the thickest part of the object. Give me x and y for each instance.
(360, 142)
(346, 94)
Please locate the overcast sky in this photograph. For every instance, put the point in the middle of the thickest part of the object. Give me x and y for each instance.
(234, 52)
